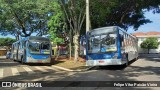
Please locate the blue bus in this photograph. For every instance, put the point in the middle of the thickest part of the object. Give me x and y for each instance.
(82, 47)
(110, 46)
(32, 49)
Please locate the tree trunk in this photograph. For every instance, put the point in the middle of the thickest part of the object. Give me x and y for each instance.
(76, 47)
(58, 52)
(17, 37)
(70, 51)
(70, 43)
(148, 50)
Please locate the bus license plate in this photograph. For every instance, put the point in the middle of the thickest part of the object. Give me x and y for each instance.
(40, 61)
(101, 61)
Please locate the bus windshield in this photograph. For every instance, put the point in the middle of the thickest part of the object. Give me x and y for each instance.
(39, 47)
(103, 43)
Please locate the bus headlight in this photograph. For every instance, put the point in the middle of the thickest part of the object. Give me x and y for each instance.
(29, 57)
(115, 56)
(89, 58)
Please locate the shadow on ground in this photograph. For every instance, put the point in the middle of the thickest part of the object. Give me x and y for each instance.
(7, 63)
(93, 79)
(92, 75)
(80, 68)
(113, 67)
(97, 75)
(152, 59)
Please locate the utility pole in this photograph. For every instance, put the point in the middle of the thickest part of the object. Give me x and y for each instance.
(87, 16)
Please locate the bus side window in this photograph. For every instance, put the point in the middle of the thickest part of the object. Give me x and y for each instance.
(19, 46)
(23, 44)
(121, 35)
(121, 39)
(12, 48)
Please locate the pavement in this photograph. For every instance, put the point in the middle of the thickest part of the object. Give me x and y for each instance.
(55, 66)
(69, 65)
(72, 70)
(144, 56)
(154, 56)
(146, 68)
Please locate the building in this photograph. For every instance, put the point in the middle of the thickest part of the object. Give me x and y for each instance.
(142, 36)
(3, 51)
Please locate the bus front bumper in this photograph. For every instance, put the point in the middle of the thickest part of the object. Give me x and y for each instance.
(31, 60)
(104, 62)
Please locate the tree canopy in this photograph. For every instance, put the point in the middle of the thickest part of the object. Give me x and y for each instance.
(150, 43)
(23, 17)
(126, 13)
(27, 16)
(74, 12)
(6, 41)
(57, 24)
(68, 19)
(123, 13)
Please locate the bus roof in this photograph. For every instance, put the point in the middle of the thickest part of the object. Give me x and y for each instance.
(112, 28)
(102, 28)
(127, 33)
(33, 38)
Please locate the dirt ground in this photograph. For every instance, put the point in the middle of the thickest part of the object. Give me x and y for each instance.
(65, 62)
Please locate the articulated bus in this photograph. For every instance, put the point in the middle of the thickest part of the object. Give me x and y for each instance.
(110, 46)
(32, 49)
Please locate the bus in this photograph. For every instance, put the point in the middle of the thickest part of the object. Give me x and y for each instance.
(110, 46)
(82, 47)
(32, 49)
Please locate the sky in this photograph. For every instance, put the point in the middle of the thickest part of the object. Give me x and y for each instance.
(153, 26)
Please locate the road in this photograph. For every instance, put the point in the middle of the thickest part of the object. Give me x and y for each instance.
(146, 68)
(15, 71)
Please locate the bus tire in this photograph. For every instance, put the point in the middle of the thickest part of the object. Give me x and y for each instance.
(127, 61)
(49, 64)
(22, 60)
(14, 58)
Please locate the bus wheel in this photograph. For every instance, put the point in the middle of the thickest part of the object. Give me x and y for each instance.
(22, 60)
(49, 64)
(127, 61)
(14, 59)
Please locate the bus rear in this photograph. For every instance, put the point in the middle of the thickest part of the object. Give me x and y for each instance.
(103, 47)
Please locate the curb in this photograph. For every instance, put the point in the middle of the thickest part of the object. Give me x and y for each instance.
(70, 70)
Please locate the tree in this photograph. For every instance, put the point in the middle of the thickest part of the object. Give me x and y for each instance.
(23, 17)
(126, 13)
(123, 13)
(74, 15)
(57, 24)
(150, 43)
(6, 41)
